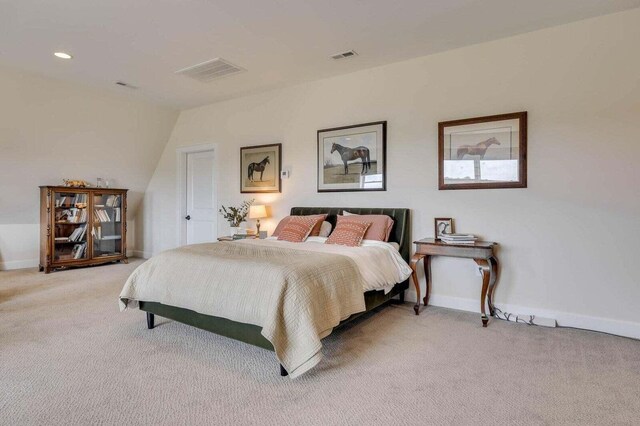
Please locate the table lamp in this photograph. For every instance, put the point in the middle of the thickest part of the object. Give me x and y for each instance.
(257, 212)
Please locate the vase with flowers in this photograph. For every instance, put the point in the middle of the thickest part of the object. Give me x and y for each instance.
(236, 215)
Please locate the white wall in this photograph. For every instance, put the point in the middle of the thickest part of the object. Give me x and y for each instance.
(50, 130)
(568, 242)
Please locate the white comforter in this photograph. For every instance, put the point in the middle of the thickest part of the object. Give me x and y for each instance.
(380, 264)
(297, 298)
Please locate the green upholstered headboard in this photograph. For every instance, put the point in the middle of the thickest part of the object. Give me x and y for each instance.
(401, 232)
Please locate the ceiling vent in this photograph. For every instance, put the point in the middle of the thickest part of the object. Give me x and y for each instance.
(344, 55)
(211, 70)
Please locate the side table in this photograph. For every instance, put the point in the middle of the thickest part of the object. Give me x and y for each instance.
(482, 252)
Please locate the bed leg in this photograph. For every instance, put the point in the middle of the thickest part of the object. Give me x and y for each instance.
(283, 372)
(402, 296)
(150, 319)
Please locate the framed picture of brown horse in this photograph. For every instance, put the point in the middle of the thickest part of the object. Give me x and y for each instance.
(483, 152)
(260, 167)
(353, 158)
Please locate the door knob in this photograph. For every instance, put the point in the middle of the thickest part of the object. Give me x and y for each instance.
(188, 217)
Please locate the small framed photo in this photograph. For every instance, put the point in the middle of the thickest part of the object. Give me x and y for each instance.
(443, 225)
(353, 158)
(483, 152)
(260, 168)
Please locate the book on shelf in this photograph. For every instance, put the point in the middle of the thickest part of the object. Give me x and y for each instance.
(96, 232)
(78, 233)
(111, 237)
(78, 251)
(112, 201)
(101, 215)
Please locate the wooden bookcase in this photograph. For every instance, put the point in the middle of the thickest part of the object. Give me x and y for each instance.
(82, 226)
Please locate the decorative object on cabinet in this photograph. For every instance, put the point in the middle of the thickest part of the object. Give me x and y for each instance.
(76, 183)
(482, 252)
(442, 225)
(353, 158)
(260, 167)
(483, 152)
(82, 226)
(257, 212)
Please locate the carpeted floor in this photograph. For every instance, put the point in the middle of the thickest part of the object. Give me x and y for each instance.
(68, 357)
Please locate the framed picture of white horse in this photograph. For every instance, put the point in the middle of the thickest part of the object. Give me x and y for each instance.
(483, 152)
(260, 167)
(353, 158)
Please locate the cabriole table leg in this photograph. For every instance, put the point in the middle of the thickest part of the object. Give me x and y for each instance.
(492, 284)
(485, 269)
(414, 275)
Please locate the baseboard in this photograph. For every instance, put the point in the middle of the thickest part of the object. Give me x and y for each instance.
(140, 253)
(19, 264)
(33, 263)
(564, 319)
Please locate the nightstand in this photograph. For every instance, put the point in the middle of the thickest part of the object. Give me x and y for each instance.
(482, 252)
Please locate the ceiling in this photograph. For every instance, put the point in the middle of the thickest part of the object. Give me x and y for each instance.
(278, 42)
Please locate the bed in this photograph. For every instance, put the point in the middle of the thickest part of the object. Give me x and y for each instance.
(248, 331)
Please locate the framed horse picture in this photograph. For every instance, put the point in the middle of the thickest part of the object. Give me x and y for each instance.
(353, 158)
(260, 167)
(483, 152)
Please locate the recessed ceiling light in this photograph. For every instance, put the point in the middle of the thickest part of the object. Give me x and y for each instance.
(63, 55)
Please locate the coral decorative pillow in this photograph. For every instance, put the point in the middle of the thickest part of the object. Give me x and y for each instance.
(380, 228)
(297, 229)
(348, 233)
(314, 232)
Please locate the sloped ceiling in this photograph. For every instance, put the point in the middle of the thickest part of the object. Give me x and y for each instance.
(50, 130)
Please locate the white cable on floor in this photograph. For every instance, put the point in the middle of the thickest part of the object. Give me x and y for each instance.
(524, 319)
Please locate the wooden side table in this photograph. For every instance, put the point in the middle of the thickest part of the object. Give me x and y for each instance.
(482, 252)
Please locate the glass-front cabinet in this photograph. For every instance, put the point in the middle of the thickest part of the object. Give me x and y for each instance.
(81, 226)
(106, 232)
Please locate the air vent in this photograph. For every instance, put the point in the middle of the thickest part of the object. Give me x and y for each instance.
(211, 70)
(123, 84)
(344, 55)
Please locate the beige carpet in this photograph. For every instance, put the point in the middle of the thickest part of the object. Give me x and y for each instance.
(67, 356)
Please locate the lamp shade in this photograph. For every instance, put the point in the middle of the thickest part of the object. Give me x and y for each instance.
(257, 212)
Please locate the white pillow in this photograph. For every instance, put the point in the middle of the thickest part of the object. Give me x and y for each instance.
(325, 229)
(346, 213)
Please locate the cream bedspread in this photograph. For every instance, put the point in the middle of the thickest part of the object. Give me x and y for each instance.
(296, 298)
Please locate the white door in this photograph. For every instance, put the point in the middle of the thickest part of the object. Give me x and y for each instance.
(201, 204)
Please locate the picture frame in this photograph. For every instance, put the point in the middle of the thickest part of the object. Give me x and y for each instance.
(352, 158)
(483, 152)
(442, 225)
(260, 167)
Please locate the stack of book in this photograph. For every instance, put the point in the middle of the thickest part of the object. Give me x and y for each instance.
(112, 201)
(458, 238)
(78, 233)
(78, 251)
(101, 215)
(244, 236)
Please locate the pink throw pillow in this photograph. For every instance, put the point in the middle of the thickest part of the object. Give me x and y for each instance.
(348, 233)
(314, 232)
(381, 225)
(297, 229)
